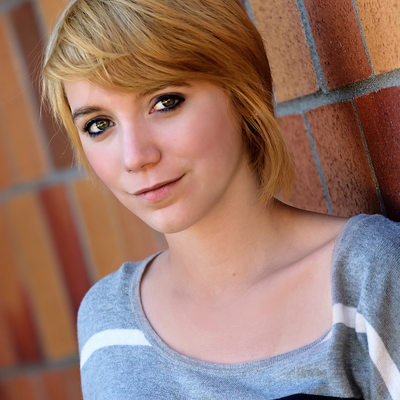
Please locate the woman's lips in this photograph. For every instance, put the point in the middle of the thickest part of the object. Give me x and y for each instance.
(159, 191)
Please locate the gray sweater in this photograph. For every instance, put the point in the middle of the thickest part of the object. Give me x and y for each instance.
(122, 358)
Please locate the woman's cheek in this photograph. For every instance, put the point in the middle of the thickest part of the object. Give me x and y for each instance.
(102, 163)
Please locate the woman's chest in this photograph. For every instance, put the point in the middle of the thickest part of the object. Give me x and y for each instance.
(280, 317)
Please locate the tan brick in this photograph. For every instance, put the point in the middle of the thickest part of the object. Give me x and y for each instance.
(54, 383)
(73, 382)
(19, 129)
(103, 233)
(6, 178)
(291, 67)
(21, 387)
(339, 42)
(40, 269)
(308, 193)
(139, 240)
(343, 159)
(380, 21)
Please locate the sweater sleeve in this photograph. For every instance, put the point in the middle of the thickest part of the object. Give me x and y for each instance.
(368, 253)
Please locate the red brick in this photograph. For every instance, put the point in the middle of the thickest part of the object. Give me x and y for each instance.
(19, 132)
(24, 330)
(380, 21)
(17, 310)
(8, 354)
(339, 42)
(40, 271)
(102, 231)
(31, 44)
(380, 119)
(64, 234)
(291, 67)
(308, 193)
(343, 159)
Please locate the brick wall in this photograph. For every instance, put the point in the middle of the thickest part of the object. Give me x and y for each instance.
(337, 88)
(335, 66)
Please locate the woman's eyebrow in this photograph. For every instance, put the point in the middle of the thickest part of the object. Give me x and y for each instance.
(84, 111)
(150, 91)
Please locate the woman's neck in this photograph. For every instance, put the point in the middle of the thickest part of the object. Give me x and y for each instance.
(230, 254)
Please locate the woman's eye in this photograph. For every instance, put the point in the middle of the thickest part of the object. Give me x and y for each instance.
(97, 126)
(167, 102)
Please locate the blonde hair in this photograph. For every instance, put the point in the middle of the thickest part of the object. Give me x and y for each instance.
(139, 45)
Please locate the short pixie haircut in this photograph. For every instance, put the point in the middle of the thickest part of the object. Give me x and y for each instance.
(140, 45)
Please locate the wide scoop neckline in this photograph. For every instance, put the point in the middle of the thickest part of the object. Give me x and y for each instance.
(173, 355)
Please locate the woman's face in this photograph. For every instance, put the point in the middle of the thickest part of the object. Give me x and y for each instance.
(173, 156)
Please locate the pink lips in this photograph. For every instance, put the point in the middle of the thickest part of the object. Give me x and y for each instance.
(159, 191)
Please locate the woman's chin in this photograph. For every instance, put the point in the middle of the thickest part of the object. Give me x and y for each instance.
(168, 226)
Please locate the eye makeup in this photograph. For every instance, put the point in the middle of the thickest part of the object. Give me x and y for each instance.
(167, 102)
(95, 127)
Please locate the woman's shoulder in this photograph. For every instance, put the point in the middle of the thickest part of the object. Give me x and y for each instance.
(366, 259)
(353, 248)
(369, 236)
(109, 300)
(363, 234)
(106, 287)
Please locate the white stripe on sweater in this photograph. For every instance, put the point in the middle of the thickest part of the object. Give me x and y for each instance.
(112, 337)
(377, 349)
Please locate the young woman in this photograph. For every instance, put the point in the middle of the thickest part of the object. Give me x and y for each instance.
(169, 103)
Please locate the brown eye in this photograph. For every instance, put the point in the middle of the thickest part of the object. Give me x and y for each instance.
(97, 126)
(101, 125)
(167, 102)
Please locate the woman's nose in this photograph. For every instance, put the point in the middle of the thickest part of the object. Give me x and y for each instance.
(139, 148)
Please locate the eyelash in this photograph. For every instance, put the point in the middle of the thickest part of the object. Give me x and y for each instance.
(177, 101)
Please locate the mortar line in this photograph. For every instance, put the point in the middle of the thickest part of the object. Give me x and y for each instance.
(371, 165)
(249, 10)
(7, 5)
(38, 184)
(39, 367)
(311, 45)
(41, 24)
(363, 36)
(344, 93)
(318, 163)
